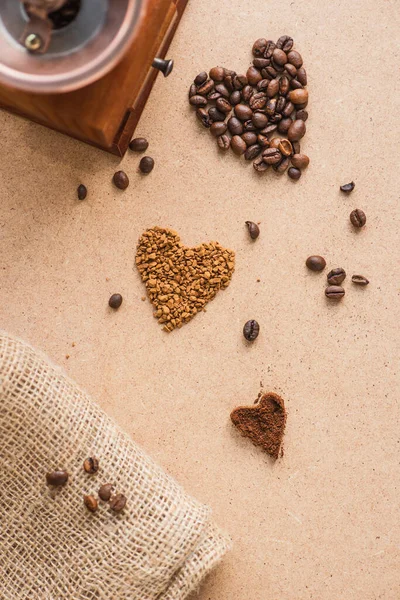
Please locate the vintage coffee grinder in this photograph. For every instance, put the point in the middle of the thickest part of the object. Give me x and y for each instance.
(84, 67)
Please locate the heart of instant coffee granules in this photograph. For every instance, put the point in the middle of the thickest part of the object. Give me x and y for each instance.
(261, 114)
(180, 280)
(264, 423)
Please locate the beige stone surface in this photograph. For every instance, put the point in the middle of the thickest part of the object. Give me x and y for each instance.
(323, 522)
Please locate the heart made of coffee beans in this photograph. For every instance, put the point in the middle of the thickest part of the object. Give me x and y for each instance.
(261, 114)
(180, 281)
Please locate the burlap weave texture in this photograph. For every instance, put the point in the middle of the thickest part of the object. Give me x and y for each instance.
(51, 547)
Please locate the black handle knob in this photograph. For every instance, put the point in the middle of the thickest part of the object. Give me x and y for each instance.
(163, 65)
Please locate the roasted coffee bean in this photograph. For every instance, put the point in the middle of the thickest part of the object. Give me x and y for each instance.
(358, 217)
(298, 96)
(279, 68)
(279, 57)
(284, 85)
(213, 96)
(300, 161)
(275, 118)
(360, 280)
(294, 173)
(348, 187)
(302, 75)
(121, 180)
(118, 502)
(302, 114)
(285, 42)
(271, 72)
(301, 106)
(198, 101)
(247, 93)
(250, 138)
(57, 478)
(252, 152)
(139, 144)
(224, 142)
(285, 148)
(259, 47)
(296, 147)
(201, 78)
(235, 98)
(334, 292)
(261, 63)
(105, 491)
(291, 70)
(295, 85)
(91, 465)
(91, 503)
(206, 88)
(259, 120)
(216, 115)
(253, 229)
(271, 106)
(258, 101)
(280, 104)
(192, 90)
(223, 105)
(270, 47)
(238, 145)
(297, 130)
(273, 88)
(146, 165)
(262, 140)
(289, 108)
(222, 89)
(336, 276)
(228, 82)
(262, 85)
(229, 73)
(274, 142)
(294, 58)
(316, 263)
(270, 128)
(218, 128)
(243, 112)
(239, 81)
(284, 124)
(259, 165)
(217, 73)
(251, 330)
(235, 126)
(249, 125)
(271, 156)
(115, 301)
(82, 191)
(282, 166)
(204, 117)
(253, 75)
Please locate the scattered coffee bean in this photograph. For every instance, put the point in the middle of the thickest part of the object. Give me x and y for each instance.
(198, 101)
(140, 144)
(243, 112)
(223, 105)
(253, 75)
(271, 156)
(105, 491)
(82, 192)
(224, 142)
(118, 502)
(275, 142)
(201, 78)
(192, 90)
(358, 217)
(296, 147)
(334, 292)
(91, 503)
(273, 88)
(259, 165)
(258, 101)
(300, 161)
(222, 90)
(253, 229)
(284, 124)
(217, 73)
(204, 117)
(302, 114)
(250, 138)
(121, 180)
(239, 82)
(294, 173)
(285, 42)
(285, 148)
(238, 145)
(218, 128)
(251, 330)
(294, 58)
(291, 70)
(279, 57)
(259, 120)
(146, 164)
(235, 98)
(302, 75)
(91, 465)
(206, 88)
(252, 152)
(282, 166)
(348, 187)
(288, 110)
(259, 47)
(216, 115)
(263, 140)
(297, 130)
(247, 93)
(336, 276)
(57, 478)
(359, 280)
(115, 301)
(298, 96)
(316, 263)
(295, 85)
(235, 126)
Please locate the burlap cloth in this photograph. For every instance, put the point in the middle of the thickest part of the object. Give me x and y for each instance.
(51, 546)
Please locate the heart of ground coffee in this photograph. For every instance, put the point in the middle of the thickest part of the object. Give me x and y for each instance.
(181, 280)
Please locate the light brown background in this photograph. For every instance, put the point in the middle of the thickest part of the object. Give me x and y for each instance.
(323, 522)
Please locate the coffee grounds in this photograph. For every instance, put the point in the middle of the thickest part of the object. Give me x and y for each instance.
(263, 423)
